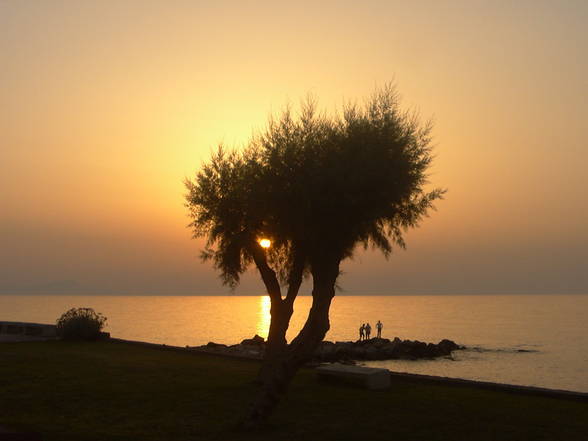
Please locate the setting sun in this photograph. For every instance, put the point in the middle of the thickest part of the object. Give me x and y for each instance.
(265, 243)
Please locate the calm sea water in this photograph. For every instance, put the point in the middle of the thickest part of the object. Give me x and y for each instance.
(495, 328)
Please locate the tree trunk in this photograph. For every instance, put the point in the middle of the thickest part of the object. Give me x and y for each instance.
(283, 361)
(281, 312)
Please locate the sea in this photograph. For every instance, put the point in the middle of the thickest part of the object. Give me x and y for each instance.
(532, 340)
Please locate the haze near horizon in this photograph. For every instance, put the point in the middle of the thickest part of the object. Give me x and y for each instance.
(109, 106)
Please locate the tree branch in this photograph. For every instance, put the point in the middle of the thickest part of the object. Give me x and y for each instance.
(295, 278)
(317, 322)
(268, 275)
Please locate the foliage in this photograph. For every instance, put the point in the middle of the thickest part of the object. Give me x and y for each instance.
(80, 324)
(317, 186)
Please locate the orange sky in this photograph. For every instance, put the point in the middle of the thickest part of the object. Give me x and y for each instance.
(107, 106)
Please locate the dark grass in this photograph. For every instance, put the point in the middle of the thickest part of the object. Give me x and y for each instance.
(116, 391)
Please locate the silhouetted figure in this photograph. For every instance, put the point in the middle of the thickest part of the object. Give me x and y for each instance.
(379, 327)
(368, 331)
(361, 331)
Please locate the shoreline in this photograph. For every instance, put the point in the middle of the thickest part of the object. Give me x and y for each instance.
(417, 378)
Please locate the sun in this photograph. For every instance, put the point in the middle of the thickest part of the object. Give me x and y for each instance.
(265, 243)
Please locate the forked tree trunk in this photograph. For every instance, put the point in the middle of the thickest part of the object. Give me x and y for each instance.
(283, 361)
(281, 312)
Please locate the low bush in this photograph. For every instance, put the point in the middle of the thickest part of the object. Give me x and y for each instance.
(80, 324)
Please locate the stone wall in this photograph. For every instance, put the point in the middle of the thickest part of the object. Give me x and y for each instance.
(20, 331)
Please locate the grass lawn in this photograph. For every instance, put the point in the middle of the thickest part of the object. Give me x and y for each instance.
(117, 391)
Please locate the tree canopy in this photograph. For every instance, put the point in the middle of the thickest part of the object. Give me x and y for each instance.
(316, 186)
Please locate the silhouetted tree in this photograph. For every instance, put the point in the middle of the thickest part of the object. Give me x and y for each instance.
(318, 187)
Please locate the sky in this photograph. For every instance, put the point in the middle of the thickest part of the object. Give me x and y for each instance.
(108, 106)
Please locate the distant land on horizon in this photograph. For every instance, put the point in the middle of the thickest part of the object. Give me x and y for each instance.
(76, 290)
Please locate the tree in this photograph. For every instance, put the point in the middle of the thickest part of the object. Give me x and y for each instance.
(317, 187)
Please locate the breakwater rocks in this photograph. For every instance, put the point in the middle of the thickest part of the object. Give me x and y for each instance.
(384, 349)
(346, 351)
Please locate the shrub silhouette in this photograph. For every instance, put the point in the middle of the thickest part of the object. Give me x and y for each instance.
(80, 324)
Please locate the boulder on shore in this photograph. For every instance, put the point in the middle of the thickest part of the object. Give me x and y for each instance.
(384, 349)
(255, 341)
(346, 351)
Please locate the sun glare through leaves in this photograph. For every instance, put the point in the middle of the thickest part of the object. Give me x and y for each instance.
(265, 243)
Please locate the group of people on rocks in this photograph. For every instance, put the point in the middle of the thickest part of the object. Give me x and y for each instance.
(365, 330)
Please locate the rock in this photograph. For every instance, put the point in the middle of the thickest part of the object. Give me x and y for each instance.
(343, 351)
(346, 351)
(255, 341)
(326, 351)
(390, 352)
(418, 349)
(446, 346)
(379, 342)
(213, 345)
(358, 352)
(372, 353)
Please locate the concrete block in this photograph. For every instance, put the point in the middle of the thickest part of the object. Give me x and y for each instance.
(370, 378)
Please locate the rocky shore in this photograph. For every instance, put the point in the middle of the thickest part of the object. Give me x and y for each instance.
(346, 351)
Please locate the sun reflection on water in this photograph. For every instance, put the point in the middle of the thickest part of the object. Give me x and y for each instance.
(263, 316)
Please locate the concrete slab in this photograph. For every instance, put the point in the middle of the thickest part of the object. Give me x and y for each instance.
(370, 378)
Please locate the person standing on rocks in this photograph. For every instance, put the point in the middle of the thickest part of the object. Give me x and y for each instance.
(368, 331)
(379, 327)
(361, 331)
